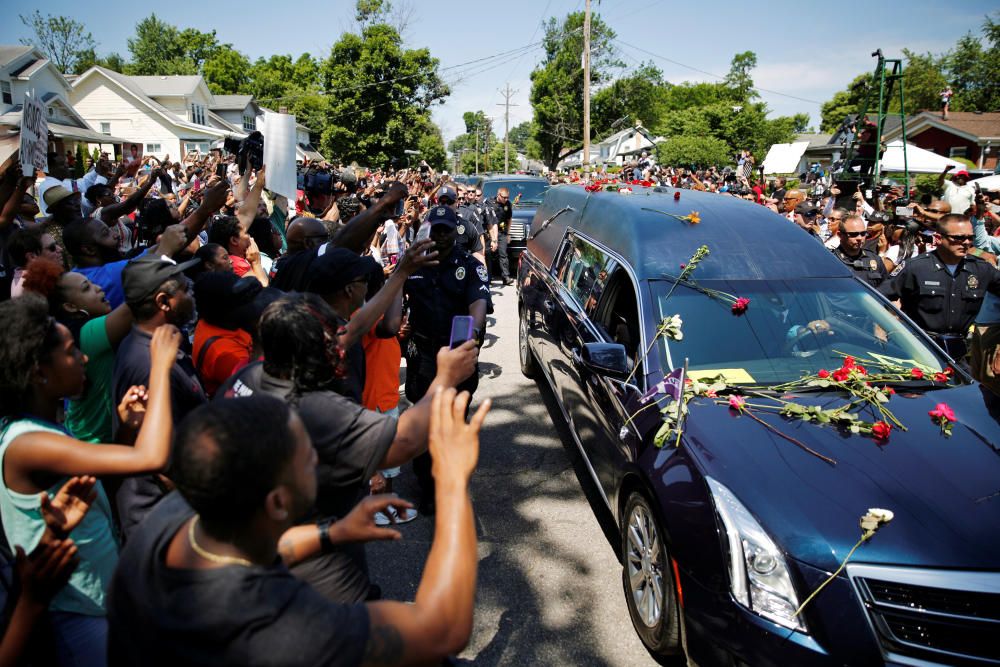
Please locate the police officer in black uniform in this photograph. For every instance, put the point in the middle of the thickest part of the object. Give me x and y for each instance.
(469, 237)
(502, 213)
(942, 290)
(457, 285)
(863, 261)
(468, 215)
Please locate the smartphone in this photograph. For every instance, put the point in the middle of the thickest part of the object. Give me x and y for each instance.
(220, 170)
(423, 233)
(461, 330)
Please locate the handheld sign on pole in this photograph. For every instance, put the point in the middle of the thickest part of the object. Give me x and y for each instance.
(279, 153)
(34, 137)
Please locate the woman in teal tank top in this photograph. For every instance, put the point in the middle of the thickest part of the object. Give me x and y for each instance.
(40, 366)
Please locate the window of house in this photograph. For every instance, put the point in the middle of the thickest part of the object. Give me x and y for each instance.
(957, 151)
(8, 98)
(249, 123)
(152, 148)
(197, 114)
(106, 128)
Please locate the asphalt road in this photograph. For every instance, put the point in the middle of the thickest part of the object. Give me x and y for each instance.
(549, 590)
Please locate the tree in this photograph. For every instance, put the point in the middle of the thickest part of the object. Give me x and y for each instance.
(692, 151)
(638, 97)
(738, 79)
(227, 71)
(159, 48)
(88, 58)
(80, 162)
(60, 38)
(844, 103)
(430, 143)
(923, 81)
(379, 95)
(557, 83)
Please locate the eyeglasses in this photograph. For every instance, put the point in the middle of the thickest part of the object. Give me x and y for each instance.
(854, 235)
(960, 238)
(935, 210)
(832, 219)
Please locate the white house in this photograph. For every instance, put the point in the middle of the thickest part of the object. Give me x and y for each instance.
(25, 69)
(617, 148)
(238, 110)
(169, 115)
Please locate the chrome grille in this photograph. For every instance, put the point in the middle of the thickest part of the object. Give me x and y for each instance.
(938, 616)
(516, 229)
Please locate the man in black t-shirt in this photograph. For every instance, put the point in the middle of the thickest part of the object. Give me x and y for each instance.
(203, 583)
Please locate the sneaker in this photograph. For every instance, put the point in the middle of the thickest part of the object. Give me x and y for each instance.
(391, 516)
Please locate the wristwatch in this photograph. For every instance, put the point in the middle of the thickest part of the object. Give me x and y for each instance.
(323, 526)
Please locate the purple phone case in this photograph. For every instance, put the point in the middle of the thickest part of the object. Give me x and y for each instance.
(461, 330)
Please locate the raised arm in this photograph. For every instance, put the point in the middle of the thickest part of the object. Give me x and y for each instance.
(47, 452)
(111, 213)
(13, 203)
(356, 233)
(248, 209)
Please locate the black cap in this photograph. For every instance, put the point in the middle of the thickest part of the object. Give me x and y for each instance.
(337, 267)
(219, 295)
(807, 210)
(142, 277)
(442, 215)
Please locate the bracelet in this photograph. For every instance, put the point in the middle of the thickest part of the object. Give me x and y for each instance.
(323, 525)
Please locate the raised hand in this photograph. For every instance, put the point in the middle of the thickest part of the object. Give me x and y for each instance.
(454, 366)
(417, 256)
(163, 348)
(454, 445)
(215, 196)
(65, 512)
(132, 409)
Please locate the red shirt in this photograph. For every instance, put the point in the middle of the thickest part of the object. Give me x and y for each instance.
(220, 360)
(241, 267)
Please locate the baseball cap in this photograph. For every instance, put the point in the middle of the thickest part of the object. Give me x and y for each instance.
(442, 215)
(337, 267)
(960, 172)
(142, 277)
(218, 295)
(447, 191)
(348, 175)
(55, 194)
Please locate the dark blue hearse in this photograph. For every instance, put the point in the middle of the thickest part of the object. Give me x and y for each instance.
(723, 537)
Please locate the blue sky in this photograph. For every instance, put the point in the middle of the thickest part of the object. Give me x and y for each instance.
(808, 50)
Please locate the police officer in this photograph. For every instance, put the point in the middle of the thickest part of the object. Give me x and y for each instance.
(468, 214)
(499, 235)
(468, 237)
(942, 290)
(457, 285)
(864, 262)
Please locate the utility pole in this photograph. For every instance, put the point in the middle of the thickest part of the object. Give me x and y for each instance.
(507, 94)
(477, 148)
(586, 89)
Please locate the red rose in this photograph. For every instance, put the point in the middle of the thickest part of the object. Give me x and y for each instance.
(741, 305)
(942, 413)
(940, 377)
(881, 430)
(677, 195)
(949, 370)
(848, 362)
(916, 374)
(841, 374)
(823, 373)
(683, 265)
(861, 369)
(888, 391)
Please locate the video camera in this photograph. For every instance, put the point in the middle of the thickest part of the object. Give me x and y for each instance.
(249, 152)
(320, 180)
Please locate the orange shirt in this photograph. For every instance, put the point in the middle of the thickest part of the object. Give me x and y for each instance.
(382, 357)
(216, 364)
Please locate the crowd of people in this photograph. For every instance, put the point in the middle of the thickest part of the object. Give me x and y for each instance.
(200, 415)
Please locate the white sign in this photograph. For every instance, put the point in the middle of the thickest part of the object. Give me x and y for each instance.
(34, 137)
(784, 158)
(279, 153)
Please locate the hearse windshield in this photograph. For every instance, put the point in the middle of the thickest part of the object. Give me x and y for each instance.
(789, 328)
(531, 192)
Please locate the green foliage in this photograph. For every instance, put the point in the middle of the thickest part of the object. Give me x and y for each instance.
(844, 103)
(378, 95)
(161, 48)
(88, 58)
(430, 143)
(693, 151)
(738, 79)
(61, 38)
(557, 83)
(638, 97)
(227, 71)
(80, 164)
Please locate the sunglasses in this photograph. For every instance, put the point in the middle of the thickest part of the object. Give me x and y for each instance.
(52, 247)
(959, 238)
(855, 235)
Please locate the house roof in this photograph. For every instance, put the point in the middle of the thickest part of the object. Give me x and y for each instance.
(136, 91)
(970, 125)
(298, 125)
(9, 53)
(231, 102)
(167, 86)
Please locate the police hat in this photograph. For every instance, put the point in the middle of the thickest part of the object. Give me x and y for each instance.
(335, 268)
(447, 191)
(442, 215)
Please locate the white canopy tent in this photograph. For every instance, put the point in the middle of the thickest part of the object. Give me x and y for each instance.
(918, 160)
(784, 158)
(988, 182)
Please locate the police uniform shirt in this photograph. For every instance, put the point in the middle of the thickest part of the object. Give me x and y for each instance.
(867, 266)
(935, 299)
(436, 294)
(469, 233)
(504, 214)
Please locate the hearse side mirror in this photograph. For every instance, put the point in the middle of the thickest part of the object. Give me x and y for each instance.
(608, 358)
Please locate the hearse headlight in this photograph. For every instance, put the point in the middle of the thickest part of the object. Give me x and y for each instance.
(758, 575)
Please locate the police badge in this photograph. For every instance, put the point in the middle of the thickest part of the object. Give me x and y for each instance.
(872, 265)
(973, 282)
(460, 229)
(481, 272)
(460, 273)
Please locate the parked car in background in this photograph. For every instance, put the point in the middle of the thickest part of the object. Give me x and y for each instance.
(725, 536)
(526, 193)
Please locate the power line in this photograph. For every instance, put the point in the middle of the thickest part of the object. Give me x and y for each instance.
(701, 71)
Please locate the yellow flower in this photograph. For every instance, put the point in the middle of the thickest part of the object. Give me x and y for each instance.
(693, 218)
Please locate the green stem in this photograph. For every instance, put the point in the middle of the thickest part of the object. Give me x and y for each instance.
(789, 438)
(643, 409)
(833, 576)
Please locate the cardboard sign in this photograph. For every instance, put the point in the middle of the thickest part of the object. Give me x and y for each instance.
(279, 153)
(34, 137)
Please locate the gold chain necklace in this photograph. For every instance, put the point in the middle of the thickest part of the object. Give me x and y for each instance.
(208, 555)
